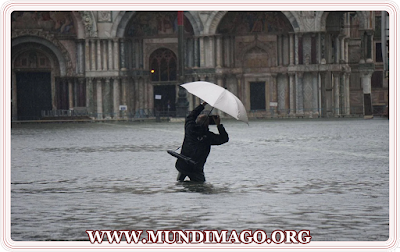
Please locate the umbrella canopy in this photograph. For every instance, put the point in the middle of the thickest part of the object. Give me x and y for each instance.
(218, 97)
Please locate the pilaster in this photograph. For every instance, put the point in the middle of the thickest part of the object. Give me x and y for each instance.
(299, 94)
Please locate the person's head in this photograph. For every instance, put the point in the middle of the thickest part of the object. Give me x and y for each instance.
(202, 120)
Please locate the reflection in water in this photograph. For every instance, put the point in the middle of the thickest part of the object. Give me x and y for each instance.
(327, 176)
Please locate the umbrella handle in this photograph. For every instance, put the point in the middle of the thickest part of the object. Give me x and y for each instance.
(210, 111)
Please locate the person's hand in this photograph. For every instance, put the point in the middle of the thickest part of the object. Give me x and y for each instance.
(217, 120)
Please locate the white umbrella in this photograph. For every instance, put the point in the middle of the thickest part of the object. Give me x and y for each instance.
(218, 97)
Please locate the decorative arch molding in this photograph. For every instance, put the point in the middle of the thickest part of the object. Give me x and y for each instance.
(79, 26)
(123, 18)
(362, 14)
(120, 23)
(89, 22)
(213, 21)
(48, 40)
(195, 21)
(23, 48)
(216, 17)
(293, 19)
(151, 48)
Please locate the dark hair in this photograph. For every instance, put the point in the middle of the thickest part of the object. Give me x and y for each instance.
(202, 119)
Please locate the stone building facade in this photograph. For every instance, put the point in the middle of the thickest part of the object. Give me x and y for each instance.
(123, 64)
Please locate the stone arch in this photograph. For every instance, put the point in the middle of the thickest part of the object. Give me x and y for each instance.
(362, 14)
(196, 23)
(163, 59)
(216, 17)
(79, 25)
(60, 53)
(122, 20)
(23, 48)
(293, 20)
(152, 48)
(120, 23)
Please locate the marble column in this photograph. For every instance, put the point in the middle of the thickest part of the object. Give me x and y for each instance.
(282, 86)
(342, 50)
(189, 53)
(336, 93)
(80, 45)
(337, 49)
(141, 93)
(134, 54)
(124, 85)
(196, 52)
(347, 93)
(292, 94)
(315, 99)
(99, 97)
(296, 49)
(76, 93)
(291, 49)
(366, 85)
(219, 51)
(89, 96)
(110, 64)
(98, 55)
(268, 95)
(136, 94)
(93, 54)
(370, 47)
(299, 94)
(202, 52)
(122, 54)
(116, 97)
(274, 94)
(104, 54)
(107, 99)
(323, 48)
(87, 55)
(150, 95)
(70, 94)
(211, 52)
(116, 54)
(322, 90)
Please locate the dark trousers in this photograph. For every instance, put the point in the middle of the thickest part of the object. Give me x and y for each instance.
(194, 176)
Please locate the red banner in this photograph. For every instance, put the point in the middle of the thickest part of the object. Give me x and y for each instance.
(180, 18)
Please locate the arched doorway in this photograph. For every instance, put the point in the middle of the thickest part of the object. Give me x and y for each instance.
(163, 70)
(33, 84)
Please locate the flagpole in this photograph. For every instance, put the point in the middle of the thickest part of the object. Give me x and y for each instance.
(182, 103)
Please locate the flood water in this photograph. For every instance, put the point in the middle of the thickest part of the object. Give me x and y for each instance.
(327, 176)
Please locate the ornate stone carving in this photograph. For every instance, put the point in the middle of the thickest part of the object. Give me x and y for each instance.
(104, 16)
(88, 22)
(51, 38)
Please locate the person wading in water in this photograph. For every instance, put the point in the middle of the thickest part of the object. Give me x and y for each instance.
(197, 144)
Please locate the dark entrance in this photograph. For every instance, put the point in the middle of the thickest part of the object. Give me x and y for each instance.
(257, 95)
(164, 99)
(33, 94)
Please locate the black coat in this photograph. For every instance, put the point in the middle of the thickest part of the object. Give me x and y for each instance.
(197, 142)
